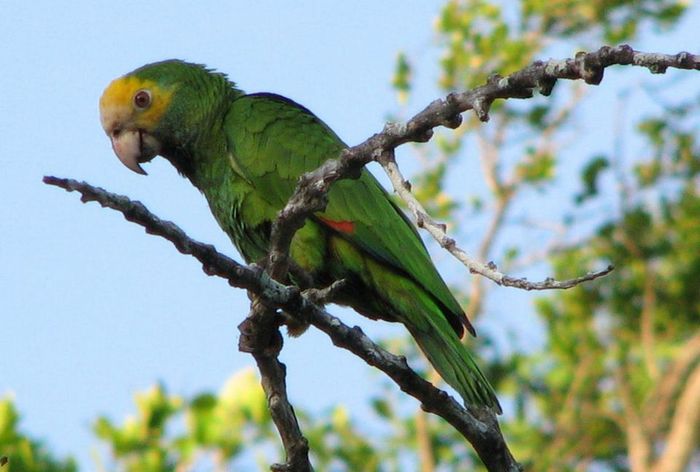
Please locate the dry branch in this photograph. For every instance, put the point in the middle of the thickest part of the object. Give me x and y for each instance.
(310, 194)
(260, 337)
(479, 427)
(439, 232)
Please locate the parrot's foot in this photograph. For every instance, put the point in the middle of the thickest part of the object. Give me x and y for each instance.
(295, 326)
(259, 337)
(329, 294)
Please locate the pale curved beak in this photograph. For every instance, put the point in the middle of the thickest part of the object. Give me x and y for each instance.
(134, 147)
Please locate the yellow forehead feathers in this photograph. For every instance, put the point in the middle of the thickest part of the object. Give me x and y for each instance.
(117, 102)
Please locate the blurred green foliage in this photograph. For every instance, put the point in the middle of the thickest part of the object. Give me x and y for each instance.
(613, 354)
(20, 453)
(604, 389)
(211, 429)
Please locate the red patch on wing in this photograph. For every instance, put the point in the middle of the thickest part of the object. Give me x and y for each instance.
(347, 227)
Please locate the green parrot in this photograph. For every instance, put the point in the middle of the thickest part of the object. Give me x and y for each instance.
(245, 153)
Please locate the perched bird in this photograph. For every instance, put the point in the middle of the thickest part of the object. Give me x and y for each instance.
(245, 153)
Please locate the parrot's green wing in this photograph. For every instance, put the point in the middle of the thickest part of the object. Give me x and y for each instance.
(274, 141)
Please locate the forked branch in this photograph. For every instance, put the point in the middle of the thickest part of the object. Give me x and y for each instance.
(479, 427)
(310, 194)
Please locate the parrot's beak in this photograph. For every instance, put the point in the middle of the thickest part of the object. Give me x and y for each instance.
(134, 147)
(130, 110)
(131, 140)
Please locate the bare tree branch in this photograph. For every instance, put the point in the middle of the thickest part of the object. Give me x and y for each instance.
(638, 443)
(503, 195)
(259, 333)
(646, 321)
(260, 337)
(661, 401)
(425, 446)
(478, 426)
(310, 194)
(565, 421)
(682, 439)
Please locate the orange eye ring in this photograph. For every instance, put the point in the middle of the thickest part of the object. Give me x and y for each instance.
(142, 99)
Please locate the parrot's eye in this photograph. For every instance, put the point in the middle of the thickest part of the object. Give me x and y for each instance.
(142, 99)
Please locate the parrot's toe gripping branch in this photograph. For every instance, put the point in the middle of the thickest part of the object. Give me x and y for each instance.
(323, 296)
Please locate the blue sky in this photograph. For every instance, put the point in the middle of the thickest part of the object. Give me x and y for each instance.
(91, 308)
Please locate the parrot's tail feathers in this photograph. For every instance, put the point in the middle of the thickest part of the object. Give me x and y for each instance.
(457, 367)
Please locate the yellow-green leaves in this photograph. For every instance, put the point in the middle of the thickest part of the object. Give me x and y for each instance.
(402, 77)
(537, 167)
(478, 41)
(20, 453)
(219, 425)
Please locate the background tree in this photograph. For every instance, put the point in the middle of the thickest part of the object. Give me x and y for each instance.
(21, 453)
(614, 383)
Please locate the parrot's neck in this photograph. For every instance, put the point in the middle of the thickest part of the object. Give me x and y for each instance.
(205, 163)
(198, 149)
(196, 159)
(193, 132)
(201, 154)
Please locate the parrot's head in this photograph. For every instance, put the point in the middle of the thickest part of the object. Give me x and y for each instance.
(161, 109)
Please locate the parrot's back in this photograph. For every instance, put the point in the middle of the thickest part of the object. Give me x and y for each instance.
(246, 154)
(361, 237)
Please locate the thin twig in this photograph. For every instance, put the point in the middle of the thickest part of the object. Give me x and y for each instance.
(439, 232)
(682, 438)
